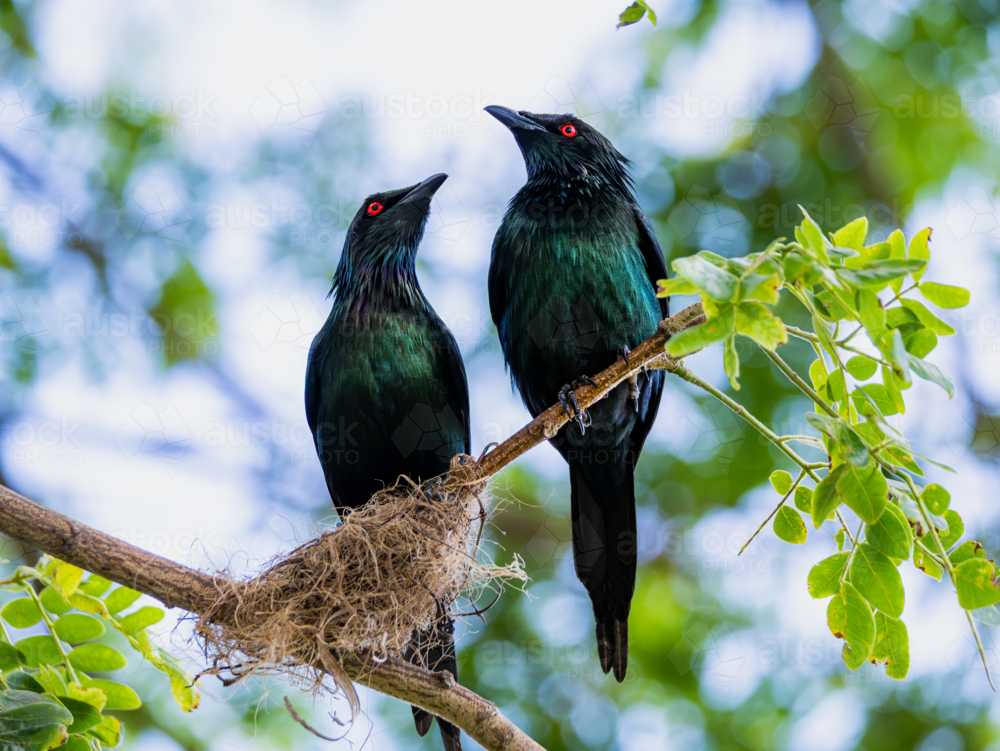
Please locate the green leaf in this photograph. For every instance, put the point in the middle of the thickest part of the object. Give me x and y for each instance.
(634, 13)
(836, 387)
(931, 372)
(67, 578)
(920, 343)
(861, 368)
(84, 716)
(944, 295)
(870, 313)
(731, 362)
(74, 628)
(817, 374)
(859, 627)
(825, 498)
(781, 481)
(24, 681)
(891, 534)
(142, 618)
(976, 583)
(54, 602)
(919, 250)
(95, 586)
(185, 296)
(763, 287)
(698, 337)
(840, 539)
(836, 616)
(96, 658)
(892, 389)
(956, 528)
(118, 695)
(109, 732)
(52, 680)
(864, 491)
(121, 598)
(755, 321)
(892, 645)
(849, 441)
(824, 577)
(966, 551)
(39, 650)
(717, 283)
(803, 499)
(897, 251)
(788, 526)
(936, 498)
(896, 353)
(10, 658)
(875, 392)
(878, 273)
(852, 235)
(675, 286)
(876, 577)
(813, 237)
(21, 613)
(925, 563)
(31, 722)
(927, 318)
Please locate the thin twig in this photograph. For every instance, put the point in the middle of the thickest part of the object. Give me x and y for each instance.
(781, 503)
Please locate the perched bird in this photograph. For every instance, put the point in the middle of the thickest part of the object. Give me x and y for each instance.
(386, 391)
(572, 287)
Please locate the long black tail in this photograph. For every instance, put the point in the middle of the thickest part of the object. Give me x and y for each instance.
(434, 649)
(605, 551)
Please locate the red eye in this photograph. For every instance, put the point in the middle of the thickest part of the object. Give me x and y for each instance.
(568, 130)
(373, 208)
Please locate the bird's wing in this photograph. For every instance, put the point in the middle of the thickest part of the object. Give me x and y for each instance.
(455, 383)
(314, 385)
(656, 265)
(497, 281)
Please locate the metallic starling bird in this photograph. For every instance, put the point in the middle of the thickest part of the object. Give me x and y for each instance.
(386, 391)
(572, 287)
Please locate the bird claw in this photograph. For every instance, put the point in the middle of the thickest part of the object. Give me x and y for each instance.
(568, 400)
(623, 353)
(634, 391)
(431, 487)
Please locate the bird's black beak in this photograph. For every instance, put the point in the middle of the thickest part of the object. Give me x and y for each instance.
(512, 119)
(422, 193)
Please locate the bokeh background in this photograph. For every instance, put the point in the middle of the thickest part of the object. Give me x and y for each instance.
(175, 183)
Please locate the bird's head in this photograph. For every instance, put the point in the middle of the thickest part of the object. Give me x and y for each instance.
(564, 147)
(388, 226)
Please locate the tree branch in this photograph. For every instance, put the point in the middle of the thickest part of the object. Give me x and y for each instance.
(649, 354)
(178, 586)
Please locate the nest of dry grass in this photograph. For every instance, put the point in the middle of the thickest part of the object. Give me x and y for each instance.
(364, 587)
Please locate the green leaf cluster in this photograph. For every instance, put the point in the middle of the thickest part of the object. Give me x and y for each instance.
(48, 696)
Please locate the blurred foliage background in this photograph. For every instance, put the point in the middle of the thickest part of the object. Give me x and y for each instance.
(175, 190)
